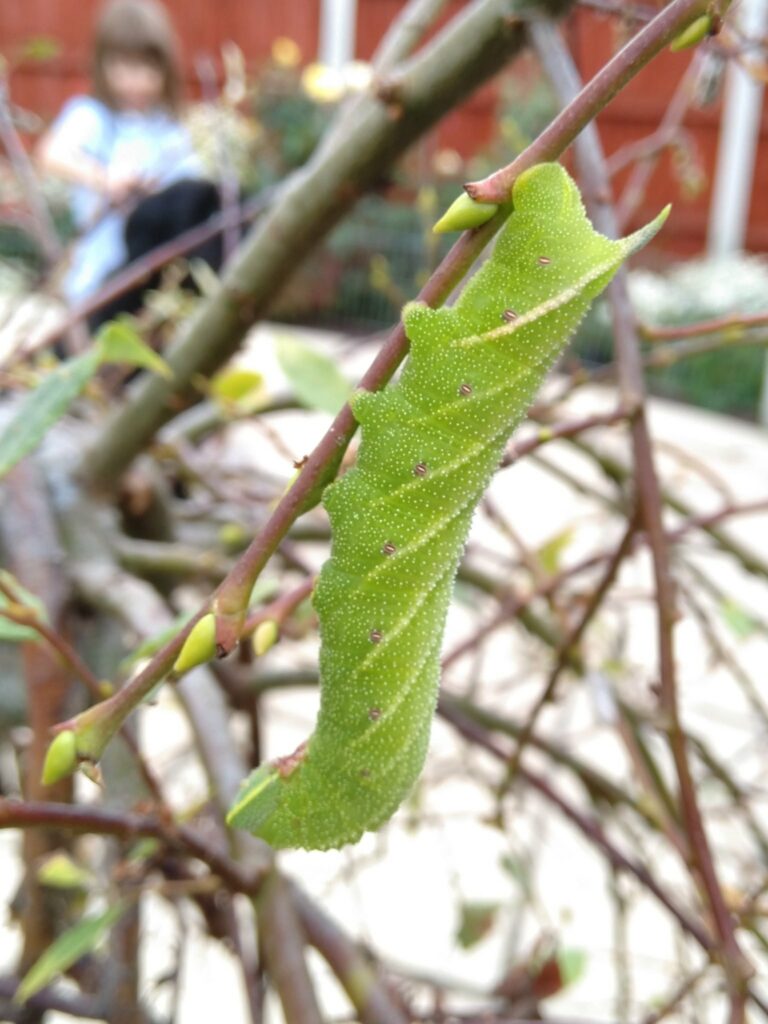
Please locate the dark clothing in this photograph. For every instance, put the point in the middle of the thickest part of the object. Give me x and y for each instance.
(157, 219)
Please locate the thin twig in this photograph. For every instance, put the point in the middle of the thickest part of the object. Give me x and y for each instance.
(582, 109)
(573, 637)
(364, 987)
(282, 942)
(631, 386)
(588, 826)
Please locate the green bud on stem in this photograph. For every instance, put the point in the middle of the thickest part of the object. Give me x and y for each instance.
(199, 646)
(61, 758)
(265, 636)
(696, 31)
(464, 213)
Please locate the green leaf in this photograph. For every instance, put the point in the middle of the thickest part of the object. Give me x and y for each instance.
(13, 632)
(238, 387)
(153, 643)
(44, 406)
(118, 342)
(143, 850)
(476, 921)
(549, 554)
(264, 589)
(67, 950)
(737, 618)
(572, 964)
(314, 377)
(518, 869)
(59, 871)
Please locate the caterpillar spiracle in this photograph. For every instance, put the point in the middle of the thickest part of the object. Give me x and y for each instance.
(430, 444)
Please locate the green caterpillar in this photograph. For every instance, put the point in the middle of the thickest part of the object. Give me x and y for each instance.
(430, 444)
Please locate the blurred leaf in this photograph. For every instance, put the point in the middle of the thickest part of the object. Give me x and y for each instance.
(233, 536)
(572, 964)
(427, 202)
(143, 850)
(39, 48)
(737, 618)
(264, 589)
(239, 387)
(59, 871)
(518, 869)
(380, 274)
(549, 554)
(153, 643)
(118, 342)
(205, 277)
(13, 632)
(314, 377)
(67, 950)
(476, 921)
(44, 406)
(464, 593)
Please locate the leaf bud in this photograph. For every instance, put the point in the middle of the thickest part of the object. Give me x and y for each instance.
(265, 636)
(199, 646)
(464, 213)
(61, 758)
(693, 34)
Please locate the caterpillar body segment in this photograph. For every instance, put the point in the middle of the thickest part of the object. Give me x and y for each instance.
(400, 518)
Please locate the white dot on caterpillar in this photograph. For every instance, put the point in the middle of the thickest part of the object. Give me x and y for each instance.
(389, 548)
(465, 389)
(376, 636)
(544, 261)
(509, 315)
(420, 469)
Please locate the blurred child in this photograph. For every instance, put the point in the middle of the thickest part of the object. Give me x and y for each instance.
(136, 180)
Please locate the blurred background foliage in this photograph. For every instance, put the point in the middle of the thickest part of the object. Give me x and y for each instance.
(265, 120)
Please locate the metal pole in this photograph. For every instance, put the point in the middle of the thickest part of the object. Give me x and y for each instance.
(338, 25)
(739, 134)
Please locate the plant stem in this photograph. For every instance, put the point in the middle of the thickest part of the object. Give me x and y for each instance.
(584, 108)
(282, 944)
(593, 168)
(365, 989)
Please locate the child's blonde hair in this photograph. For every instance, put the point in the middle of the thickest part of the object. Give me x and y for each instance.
(140, 30)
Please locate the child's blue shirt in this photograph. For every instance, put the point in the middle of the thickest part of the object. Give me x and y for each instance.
(151, 143)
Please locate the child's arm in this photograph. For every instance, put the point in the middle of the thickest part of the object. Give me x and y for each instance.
(56, 156)
(76, 148)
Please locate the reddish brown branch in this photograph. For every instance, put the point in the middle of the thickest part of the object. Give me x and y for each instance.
(733, 325)
(517, 449)
(589, 827)
(567, 646)
(366, 990)
(126, 825)
(632, 390)
(582, 109)
(282, 943)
